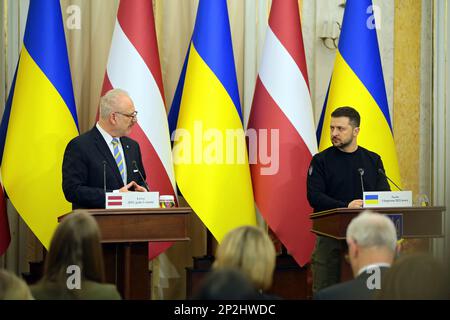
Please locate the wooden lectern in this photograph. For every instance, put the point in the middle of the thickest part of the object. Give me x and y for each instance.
(411, 222)
(125, 235)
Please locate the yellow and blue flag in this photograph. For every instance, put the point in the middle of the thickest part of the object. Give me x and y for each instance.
(371, 199)
(358, 81)
(39, 120)
(210, 153)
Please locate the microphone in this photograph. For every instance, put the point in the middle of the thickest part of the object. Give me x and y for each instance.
(140, 174)
(384, 174)
(104, 176)
(361, 173)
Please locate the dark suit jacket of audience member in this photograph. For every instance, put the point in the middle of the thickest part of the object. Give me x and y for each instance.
(83, 181)
(89, 290)
(355, 289)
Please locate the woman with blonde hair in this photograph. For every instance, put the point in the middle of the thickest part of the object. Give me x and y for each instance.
(250, 250)
(74, 266)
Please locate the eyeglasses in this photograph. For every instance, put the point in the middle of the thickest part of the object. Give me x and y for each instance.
(131, 115)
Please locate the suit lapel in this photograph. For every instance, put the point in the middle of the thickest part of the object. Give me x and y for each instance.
(128, 161)
(106, 152)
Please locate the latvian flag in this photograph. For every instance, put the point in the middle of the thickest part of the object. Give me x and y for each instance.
(114, 200)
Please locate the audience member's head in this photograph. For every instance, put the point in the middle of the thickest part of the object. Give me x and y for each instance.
(226, 284)
(371, 238)
(250, 250)
(415, 276)
(76, 242)
(13, 288)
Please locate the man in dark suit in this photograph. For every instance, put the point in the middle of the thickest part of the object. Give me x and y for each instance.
(372, 246)
(104, 158)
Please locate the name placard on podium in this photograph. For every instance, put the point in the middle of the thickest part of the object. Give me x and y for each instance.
(385, 199)
(132, 200)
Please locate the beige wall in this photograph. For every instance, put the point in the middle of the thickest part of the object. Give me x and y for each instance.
(407, 38)
(88, 49)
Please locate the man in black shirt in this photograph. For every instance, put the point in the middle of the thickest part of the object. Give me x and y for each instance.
(337, 177)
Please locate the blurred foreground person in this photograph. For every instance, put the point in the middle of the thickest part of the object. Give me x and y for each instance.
(13, 288)
(74, 266)
(416, 276)
(249, 250)
(226, 284)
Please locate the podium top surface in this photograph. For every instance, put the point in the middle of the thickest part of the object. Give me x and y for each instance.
(141, 225)
(159, 211)
(138, 211)
(414, 222)
(379, 210)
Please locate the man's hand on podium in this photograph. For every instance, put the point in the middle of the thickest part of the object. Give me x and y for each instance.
(132, 186)
(358, 203)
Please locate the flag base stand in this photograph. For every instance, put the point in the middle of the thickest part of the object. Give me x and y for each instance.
(35, 274)
(200, 266)
(290, 281)
(36, 269)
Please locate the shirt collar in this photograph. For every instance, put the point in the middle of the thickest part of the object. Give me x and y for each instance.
(108, 138)
(373, 266)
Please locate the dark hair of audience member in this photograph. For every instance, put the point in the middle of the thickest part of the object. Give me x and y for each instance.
(76, 242)
(413, 277)
(226, 284)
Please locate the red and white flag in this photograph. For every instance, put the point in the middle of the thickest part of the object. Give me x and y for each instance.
(5, 236)
(282, 105)
(114, 200)
(134, 66)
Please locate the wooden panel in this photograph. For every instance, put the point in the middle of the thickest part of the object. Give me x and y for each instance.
(426, 222)
(142, 225)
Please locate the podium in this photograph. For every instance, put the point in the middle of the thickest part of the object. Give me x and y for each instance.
(125, 234)
(415, 222)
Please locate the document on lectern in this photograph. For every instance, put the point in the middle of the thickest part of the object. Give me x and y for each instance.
(384, 199)
(132, 200)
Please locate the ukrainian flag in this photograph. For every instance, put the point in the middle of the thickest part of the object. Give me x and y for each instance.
(371, 199)
(210, 157)
(357, 81)
(39, 121)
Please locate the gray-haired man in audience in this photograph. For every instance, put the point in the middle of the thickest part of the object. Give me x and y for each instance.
(372, 247)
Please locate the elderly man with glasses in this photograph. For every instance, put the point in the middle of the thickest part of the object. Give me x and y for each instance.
(104, 158)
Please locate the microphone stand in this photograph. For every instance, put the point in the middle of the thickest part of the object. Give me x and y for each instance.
(384, 174)
(361, 173)
(140, 174)
(104, 176)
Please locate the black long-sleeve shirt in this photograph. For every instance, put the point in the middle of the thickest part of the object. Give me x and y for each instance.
(334, 180)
